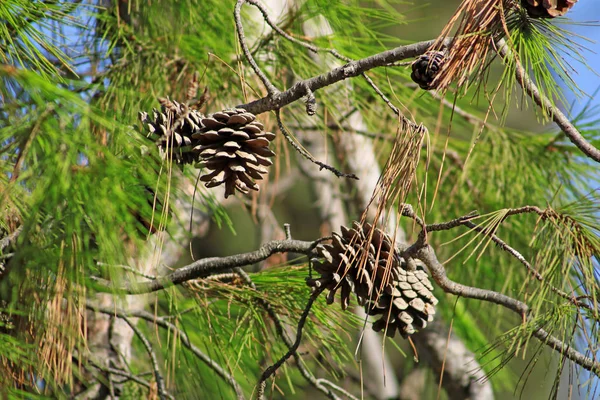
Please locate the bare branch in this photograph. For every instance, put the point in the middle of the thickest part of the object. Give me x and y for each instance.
(546, 105)
(350, 70)
(208, 266)
(438, 273)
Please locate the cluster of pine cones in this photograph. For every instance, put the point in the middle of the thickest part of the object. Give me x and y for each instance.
(231, 144)
(363, 261)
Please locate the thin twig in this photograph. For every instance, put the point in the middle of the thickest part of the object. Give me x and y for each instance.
(160, 381)
(546, 105)
(292, 349)
(160, 321)
(305, 153)
(336, 387)
(279, 329)
(125, 374)
(129, 269)
(271, 89)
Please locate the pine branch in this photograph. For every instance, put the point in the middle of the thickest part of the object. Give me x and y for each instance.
(438, 272)
(424, 252)
(208, 266)
(350, 70)
(420, 249)
(164, 323)
(466, 221)
(311, 102)
(546, 105)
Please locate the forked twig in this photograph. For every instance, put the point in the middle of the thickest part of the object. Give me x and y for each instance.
(279, 328)
(160, 381)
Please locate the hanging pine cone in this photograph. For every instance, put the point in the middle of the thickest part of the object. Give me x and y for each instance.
(235, 148)
(407, 303)
(231, 144)
(426, 67)
(404, 296)
(172, 128)
(547, 8)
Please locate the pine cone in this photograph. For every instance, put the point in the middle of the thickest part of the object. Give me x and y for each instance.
(234, 147)
(547, 8)
(407, 303)
(404, 296)
(339, 267)
(426, 67)
(172, 129)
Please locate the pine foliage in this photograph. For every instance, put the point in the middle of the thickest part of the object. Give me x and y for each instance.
(83, 190)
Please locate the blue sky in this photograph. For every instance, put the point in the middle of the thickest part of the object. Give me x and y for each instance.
(587, 11)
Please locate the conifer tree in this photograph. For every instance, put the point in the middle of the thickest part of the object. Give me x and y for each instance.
(386, 187)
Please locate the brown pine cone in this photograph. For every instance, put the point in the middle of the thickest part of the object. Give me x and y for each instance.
(426, 67)
(172, 128)
(353, 264)
(547, 8)
(406, 305)
(235, 149)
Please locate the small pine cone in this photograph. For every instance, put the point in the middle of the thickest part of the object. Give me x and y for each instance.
(235, 149)
(172, 128)
(426, 67)
(407, 303)
(547, 8)
(342, 264)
